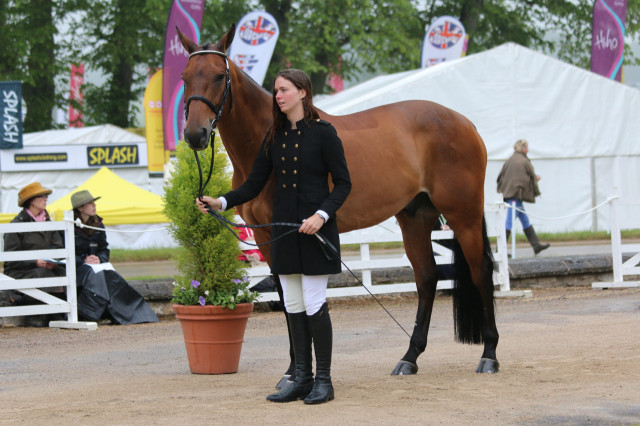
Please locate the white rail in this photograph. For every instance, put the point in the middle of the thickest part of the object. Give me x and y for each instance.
(379, 234)
(32, 286)
(620, 268)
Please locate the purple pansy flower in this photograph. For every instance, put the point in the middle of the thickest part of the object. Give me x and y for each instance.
(202, 300)
(195, 284)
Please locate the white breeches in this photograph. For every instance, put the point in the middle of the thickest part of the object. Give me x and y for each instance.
(304, 292)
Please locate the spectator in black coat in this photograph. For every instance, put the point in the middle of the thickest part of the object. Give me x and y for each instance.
(102, 292)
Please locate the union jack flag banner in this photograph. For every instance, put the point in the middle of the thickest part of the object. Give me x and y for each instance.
(445, 39)
(253, 44)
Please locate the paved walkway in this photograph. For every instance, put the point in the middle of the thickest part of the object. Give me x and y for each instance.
(167, 268)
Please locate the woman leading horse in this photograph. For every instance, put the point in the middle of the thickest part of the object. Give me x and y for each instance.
(413, 160)
(302, 151)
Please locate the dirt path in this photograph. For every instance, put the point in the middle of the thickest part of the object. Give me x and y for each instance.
(568, 356)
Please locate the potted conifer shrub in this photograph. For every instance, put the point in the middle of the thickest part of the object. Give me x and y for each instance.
(211, 296)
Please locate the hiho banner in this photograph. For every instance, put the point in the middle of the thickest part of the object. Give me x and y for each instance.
(253, 44)
(153, 123)
(75, 95)
(607, 40)
(187, 16)
(444, 40)
(11, 109)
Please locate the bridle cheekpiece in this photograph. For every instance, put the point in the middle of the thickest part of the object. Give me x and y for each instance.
(227, 91)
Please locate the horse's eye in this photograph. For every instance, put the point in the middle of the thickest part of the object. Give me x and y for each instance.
(219, 78)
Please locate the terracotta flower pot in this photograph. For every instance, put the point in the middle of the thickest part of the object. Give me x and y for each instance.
(213, 336)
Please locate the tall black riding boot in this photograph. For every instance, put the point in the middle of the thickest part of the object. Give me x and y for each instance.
(322, 333)
(533, 240)
(303, 382)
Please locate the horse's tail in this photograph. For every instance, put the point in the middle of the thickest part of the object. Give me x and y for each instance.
(467, 302)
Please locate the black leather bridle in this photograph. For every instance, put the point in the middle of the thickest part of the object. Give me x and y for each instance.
(217, 110)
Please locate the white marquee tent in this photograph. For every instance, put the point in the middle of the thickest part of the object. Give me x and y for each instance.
(63, 159)
(583, 129)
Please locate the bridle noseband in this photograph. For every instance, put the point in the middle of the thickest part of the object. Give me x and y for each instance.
(227, 92)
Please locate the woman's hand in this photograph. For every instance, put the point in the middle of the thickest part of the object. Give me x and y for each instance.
(312, 224)
(214, 203)
(41, 263)
(92, 259)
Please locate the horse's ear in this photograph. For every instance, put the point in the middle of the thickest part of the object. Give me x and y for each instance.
(186, 42)
(225, 41)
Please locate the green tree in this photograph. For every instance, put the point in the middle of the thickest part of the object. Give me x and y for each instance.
(122, 39)
(557, 27)
(29, 54)
(345, 37)
(211, 255)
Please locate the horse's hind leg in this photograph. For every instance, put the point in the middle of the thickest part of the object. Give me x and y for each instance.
(474, 309)
(416, 222)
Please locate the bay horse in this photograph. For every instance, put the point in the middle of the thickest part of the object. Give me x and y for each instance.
(413, 160)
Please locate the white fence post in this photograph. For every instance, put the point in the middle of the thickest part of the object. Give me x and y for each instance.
(620, 269)
(514, 229)
(442, 255)
(31, 286)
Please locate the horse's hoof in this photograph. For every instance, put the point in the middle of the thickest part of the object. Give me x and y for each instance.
(488, 365)
(283, 381)
(404, 368)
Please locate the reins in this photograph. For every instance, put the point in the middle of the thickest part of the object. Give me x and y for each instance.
(224, 221)
(228, 224)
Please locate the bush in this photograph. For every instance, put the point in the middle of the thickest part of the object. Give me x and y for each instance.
(210, 255)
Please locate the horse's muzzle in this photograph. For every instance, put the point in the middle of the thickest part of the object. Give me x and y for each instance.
(197, 140)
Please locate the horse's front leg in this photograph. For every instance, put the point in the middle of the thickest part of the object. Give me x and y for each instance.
(417, 244)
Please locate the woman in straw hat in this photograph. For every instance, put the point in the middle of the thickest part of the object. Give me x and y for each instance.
(102, 292)
(33, 200)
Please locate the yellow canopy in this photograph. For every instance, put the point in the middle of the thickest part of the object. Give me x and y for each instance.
(121, 202)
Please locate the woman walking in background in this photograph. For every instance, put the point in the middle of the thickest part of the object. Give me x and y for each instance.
(518, 182)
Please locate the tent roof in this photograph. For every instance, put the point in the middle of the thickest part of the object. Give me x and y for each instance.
(512, 92)
(92, 135)
(121, 202)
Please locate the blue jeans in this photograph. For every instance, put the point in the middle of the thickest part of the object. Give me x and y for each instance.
(524, 219)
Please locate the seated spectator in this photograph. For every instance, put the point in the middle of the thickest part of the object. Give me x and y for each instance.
(33, 200)
(102, 292)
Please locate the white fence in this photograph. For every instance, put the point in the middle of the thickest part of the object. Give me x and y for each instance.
(620, 268)
(32, 286)
(389, 232)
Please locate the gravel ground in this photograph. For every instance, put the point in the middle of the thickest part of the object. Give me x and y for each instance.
(568, 356)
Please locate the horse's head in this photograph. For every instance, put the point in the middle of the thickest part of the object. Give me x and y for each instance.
(207, 87)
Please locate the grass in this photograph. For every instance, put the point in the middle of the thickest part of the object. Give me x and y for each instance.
(161, 254)
(144, 255)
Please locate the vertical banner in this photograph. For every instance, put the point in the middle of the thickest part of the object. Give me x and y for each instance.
(607, 41)
(75, 95)
(253, 44)
(153, 123)
(11, 114)
(186, 15)
(444, 40)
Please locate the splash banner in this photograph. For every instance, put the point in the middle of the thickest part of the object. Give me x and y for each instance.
(75, 95)
(186, 15)
(444, 40)
(253, 44)
(607, 41)
(10, 114)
